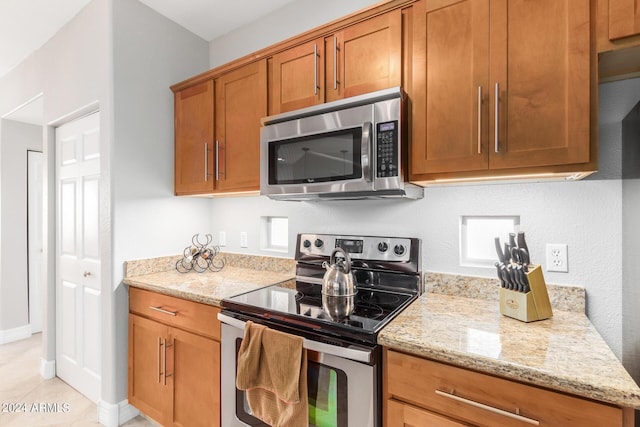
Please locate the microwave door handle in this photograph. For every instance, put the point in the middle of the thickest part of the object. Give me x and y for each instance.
(366, 148)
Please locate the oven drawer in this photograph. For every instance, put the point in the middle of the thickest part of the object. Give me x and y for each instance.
(178, 312)
(485, 400)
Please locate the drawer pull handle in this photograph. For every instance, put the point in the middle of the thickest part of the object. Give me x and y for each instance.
(162, 310)
(487, 407)
(159, 360)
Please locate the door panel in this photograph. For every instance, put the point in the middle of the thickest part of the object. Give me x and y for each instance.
(34, 232)
(452, 57)
(241, 101)
(146, 388)
(369, 57)
(78, 289)
(196, 391)
(540, 57)
(194, 149)
(297, 78)
(624, 18)
(68, 307)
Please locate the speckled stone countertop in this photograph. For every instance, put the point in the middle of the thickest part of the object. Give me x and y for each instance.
(242, 273)
(563, 353)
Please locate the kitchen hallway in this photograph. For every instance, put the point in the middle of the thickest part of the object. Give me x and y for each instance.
(27, 399)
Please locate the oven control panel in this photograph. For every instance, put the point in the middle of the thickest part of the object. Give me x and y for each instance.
(358, 247)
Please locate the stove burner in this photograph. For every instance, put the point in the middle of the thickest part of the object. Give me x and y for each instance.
(368, 311)
(376, 298)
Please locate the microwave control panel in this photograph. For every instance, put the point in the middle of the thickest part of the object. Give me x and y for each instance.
(387, 149)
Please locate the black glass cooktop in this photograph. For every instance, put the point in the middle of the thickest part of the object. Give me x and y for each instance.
(302, 307)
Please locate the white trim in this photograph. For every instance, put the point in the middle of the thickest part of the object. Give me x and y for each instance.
(24, 104)
(47, 368)
(111, 415)
(15, 334)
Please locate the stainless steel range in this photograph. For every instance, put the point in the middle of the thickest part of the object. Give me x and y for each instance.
(343, 355)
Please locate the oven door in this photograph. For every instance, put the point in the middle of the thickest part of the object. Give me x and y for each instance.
(342, 392)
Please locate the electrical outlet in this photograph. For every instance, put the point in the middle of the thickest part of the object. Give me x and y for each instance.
(243, 239)
(557, 257)
(222, 238)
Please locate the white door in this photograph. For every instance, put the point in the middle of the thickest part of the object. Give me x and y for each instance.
(78, 289)
(34, 232)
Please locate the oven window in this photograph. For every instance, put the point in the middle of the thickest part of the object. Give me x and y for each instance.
(331, 156)
(328, 402)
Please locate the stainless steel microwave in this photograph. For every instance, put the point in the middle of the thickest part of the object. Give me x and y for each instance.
(348, 149)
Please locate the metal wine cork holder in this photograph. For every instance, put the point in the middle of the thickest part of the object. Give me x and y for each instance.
(200, 256)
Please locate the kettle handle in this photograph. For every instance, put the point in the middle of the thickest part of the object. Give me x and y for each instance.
(345, 255)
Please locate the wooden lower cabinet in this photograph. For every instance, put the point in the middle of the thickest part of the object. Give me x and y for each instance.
(403, 415)
(174, 374)
(421, 392)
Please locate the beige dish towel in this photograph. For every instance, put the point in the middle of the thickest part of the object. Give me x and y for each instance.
(272, 369)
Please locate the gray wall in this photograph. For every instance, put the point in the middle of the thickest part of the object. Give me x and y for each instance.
(121, 57)
(290, 20)
(16, 139)
(586, 215)
(150, 54)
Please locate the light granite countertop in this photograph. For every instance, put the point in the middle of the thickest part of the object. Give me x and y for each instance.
(241, 274)
(564, 353)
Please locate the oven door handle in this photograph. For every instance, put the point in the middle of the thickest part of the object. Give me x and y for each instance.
(359, 355)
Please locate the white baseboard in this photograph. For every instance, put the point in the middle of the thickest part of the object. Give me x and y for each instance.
(47, 368)
(111, 415)
(15, 334)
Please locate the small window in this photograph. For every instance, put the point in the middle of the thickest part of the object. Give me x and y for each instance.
(275, 233)
(477, 238)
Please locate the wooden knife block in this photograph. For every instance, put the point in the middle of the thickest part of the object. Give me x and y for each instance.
(531, 306)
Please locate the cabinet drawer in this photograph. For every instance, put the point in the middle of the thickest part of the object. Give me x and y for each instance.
(172, 311)
(485, 400)
(403, 415)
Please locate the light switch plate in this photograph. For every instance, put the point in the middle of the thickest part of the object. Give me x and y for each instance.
(243, 239)
(222, 238)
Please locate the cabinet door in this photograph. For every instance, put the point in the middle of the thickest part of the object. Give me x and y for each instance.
(241, 101)
(297, 79)
(484, 400)
(450, 75)
(624, 18)
(540, 62)
(195, 379)
(364, 57)
(146, 389)
(193, 139)
(401, 415)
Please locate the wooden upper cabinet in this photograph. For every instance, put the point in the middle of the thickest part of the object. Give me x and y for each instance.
(361, 58)
(528, 61)
(540, 60)
(624, 18)
(364, 57)
(241, 101)
(297, 78)
(451, 71)
(193, 126)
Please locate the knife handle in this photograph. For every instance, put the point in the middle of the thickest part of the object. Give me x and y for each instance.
(501, 257)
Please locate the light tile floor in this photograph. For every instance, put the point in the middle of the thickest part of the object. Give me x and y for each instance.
(21, 386)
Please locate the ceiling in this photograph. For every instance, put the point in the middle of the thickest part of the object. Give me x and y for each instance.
(25, 25)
